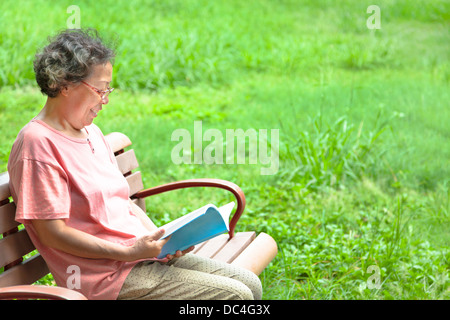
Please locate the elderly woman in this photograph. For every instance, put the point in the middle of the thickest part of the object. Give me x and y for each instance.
(74, 201)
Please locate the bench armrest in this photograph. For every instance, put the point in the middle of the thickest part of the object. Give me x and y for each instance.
(39, 292)
(216, 183)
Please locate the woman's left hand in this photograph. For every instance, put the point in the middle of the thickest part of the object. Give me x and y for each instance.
(179, 253)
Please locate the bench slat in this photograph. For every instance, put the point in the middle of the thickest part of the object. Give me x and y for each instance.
(199, 246)
(26, 272)
(212, 246)
(14, 246)
(117, 141)
(234, 246)
(135, 182)
(257, 256)
(127, 161)
(7, 216)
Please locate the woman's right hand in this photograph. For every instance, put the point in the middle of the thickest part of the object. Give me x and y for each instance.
(148, 246)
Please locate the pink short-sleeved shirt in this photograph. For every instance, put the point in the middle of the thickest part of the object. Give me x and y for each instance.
(54, 176)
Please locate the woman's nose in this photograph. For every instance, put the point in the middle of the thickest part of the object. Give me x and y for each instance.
(105, 100)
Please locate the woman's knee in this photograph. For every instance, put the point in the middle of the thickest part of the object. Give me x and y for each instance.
(238, 291)
(250, 280)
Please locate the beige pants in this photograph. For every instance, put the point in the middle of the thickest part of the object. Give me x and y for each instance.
(188, 278)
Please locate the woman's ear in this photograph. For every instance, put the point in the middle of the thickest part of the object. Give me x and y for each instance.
(65, 91)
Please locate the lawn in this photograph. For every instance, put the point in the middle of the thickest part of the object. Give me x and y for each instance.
(362, 115)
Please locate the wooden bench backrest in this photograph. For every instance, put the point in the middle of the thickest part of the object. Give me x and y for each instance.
(15, 244)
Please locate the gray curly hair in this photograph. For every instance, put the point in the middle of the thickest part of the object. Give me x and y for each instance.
(69, 58)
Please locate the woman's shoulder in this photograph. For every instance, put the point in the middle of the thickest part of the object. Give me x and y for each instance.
(30, 141)
(37, 141)
(34, 134)
(33, 130)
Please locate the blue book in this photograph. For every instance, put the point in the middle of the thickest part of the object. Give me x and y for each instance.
(195, 227)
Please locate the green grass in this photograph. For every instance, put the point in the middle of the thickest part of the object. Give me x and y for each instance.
(363, 118)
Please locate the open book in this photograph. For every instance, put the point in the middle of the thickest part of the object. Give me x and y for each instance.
(195, 227)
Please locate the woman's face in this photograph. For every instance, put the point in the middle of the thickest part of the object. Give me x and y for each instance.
(86, 103)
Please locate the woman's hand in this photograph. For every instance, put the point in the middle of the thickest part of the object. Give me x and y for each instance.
(179, 253)
(148, 246)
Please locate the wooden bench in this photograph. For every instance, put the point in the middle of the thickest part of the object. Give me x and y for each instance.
(244, 249)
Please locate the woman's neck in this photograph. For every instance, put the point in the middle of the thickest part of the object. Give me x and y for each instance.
(53, 116)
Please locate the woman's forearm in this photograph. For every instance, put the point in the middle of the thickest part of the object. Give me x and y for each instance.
(57, 235)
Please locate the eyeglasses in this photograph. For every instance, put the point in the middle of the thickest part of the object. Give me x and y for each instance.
(102, 93)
